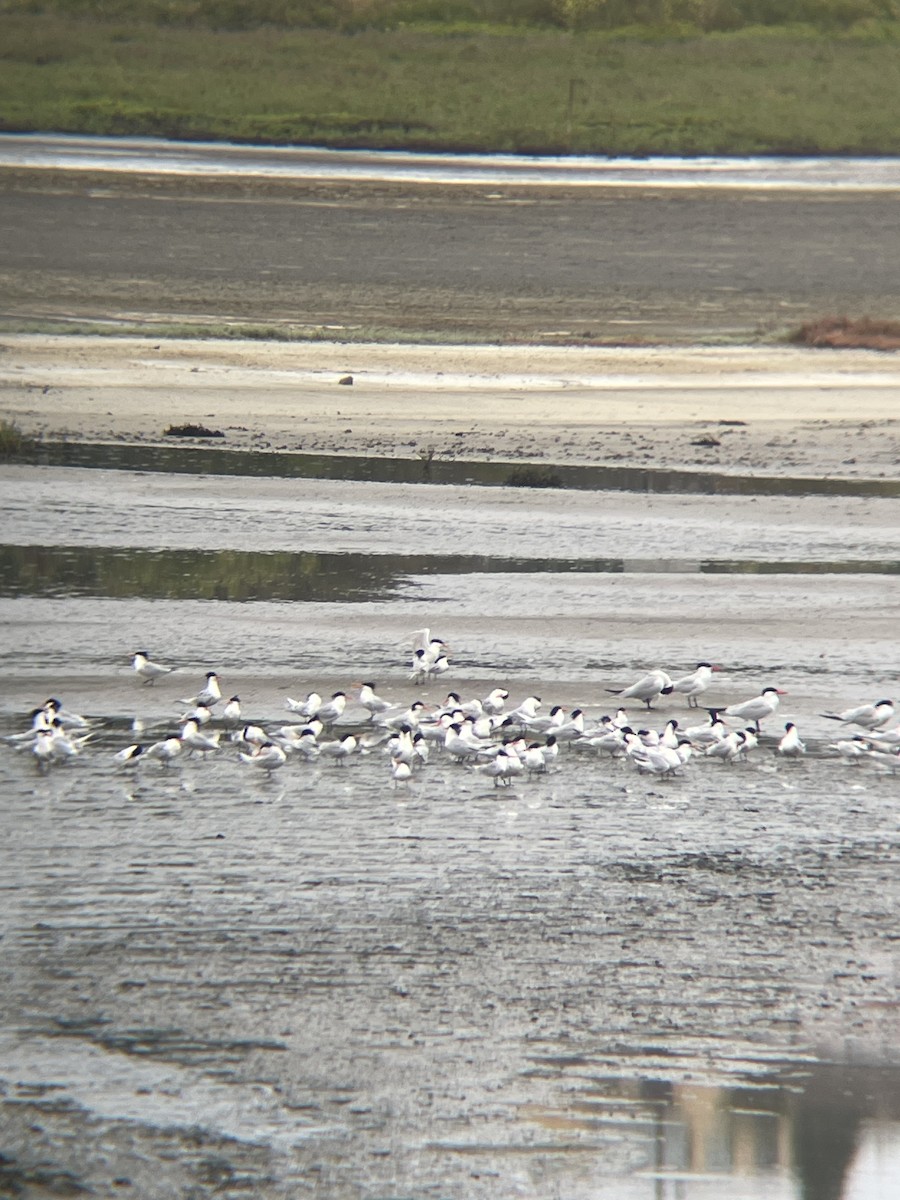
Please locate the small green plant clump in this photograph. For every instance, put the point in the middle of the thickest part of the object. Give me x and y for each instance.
(13, 442)
(534, 477)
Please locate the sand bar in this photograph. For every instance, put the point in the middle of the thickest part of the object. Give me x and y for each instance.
(764, 410)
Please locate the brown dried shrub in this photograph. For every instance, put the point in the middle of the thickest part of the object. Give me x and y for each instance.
(849, 333)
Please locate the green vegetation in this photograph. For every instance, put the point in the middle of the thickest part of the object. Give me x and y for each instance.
(356, 15)
(13, 442)
(690, 77)
(534, 477)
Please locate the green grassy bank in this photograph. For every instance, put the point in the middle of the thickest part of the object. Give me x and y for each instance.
(556, 83)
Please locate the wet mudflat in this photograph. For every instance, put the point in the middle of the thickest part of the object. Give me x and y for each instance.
(584, 984)
(470, 261)
(590, 983)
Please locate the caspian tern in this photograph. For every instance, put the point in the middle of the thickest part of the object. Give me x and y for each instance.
(296, 739)
(887, 738)
(340, 750)
(146, 670)
(525, 712)
(194, 740)
(867, 716)
(571, 730)
(757, 709)
(496, 768)
(131, 756)
(267, 756)
(401, 772)
(647, 689)
(729, 748)
(660, 760)
(166, 750)
(304, 708)
(493, 704)
(374, 703)
(458, 745)
(790, 745)
(669, 737)
(333, 710)
(695, 684)
(64, 716)
(429, 656)
(209, 694)
(851, 750)
(704, 735)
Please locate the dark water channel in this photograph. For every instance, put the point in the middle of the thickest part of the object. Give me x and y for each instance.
(239, 575)
(364, 469)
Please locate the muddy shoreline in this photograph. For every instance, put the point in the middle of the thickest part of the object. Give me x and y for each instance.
(742, 411)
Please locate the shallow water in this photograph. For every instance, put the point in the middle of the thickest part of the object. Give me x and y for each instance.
(588, 984)
(375, 469)
(310, 162)
(234, 575)
(584, 983)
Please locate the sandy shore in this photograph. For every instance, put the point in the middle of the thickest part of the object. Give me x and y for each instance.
(744, 410)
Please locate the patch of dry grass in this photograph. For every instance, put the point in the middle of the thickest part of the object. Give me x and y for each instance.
(849, 333)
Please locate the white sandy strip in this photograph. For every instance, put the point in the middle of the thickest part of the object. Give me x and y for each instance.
(684, 383)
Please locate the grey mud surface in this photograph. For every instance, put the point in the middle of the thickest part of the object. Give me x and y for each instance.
(539, 265)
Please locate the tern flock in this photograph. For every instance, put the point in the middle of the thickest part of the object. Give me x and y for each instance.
(488, 736)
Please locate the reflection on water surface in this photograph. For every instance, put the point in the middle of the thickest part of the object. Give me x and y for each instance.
(236, 575)
(809, 1130)
(240, 575)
